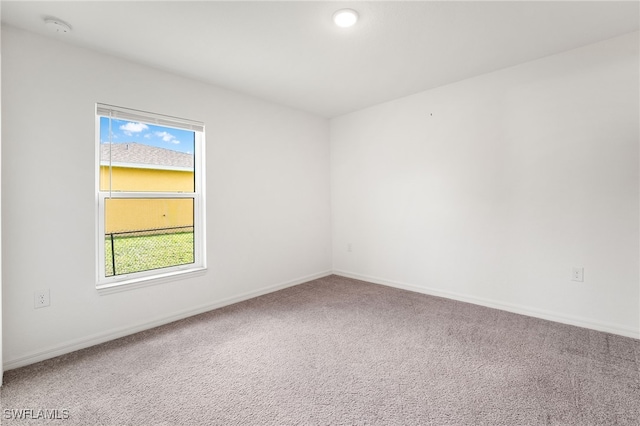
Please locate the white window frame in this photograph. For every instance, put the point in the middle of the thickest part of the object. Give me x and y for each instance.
(155, 276)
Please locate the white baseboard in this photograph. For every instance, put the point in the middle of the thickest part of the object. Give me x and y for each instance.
(106, 336)
(510, 307)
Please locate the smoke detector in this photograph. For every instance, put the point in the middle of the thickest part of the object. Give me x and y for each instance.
(57, 25)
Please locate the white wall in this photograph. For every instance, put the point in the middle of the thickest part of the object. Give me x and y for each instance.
(490, 189)
(268, 203)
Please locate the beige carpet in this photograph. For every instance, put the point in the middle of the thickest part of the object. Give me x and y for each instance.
(337, 351)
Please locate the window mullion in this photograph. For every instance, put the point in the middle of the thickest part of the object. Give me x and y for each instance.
(130, 194)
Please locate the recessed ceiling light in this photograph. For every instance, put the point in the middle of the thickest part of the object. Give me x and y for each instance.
(345, 18)
(57, 25)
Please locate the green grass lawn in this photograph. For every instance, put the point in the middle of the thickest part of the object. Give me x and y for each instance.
(143, 253)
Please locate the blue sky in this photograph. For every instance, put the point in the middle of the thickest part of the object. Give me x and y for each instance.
(163, 137)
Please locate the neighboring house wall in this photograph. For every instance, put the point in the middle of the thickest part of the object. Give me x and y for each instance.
(124, 215)
(135, 179)
(137, 214)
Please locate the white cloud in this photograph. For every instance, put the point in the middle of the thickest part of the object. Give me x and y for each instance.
(167, 137)
(130, 128)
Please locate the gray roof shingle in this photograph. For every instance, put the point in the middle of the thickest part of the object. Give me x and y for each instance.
(137, 153)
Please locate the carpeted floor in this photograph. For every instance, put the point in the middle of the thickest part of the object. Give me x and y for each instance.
(337, 351)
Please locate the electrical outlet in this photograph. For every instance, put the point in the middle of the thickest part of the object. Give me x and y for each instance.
(349, 247)
(41, 298)
(577, 274)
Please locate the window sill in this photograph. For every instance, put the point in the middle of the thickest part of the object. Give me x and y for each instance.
(116, 287)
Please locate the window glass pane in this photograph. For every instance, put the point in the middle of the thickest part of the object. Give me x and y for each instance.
(146, 158)
(142, 234)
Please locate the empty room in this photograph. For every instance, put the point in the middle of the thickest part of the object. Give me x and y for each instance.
(320, 213)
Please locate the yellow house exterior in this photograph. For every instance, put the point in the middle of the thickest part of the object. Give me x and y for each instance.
(122, 169)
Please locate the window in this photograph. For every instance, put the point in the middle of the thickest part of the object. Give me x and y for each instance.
(150, 202)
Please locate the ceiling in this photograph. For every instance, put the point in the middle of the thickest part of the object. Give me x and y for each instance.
(291, 53)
